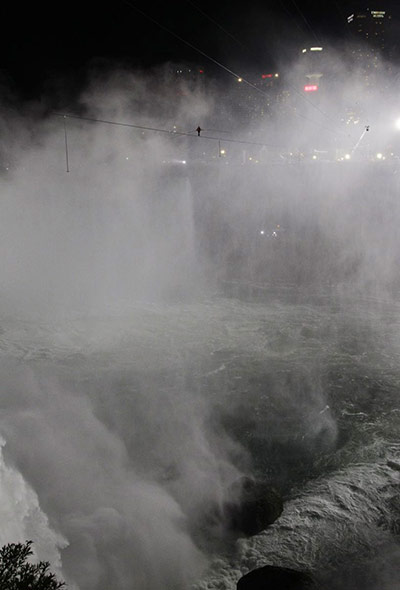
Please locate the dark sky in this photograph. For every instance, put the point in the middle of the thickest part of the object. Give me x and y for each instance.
(41, 41)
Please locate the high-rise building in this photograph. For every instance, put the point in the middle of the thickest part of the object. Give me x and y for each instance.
(371, 27)
(311, 68)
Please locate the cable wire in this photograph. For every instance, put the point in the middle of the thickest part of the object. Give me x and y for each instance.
(216, 24)
(301, 29)
(166, 131)
(237, 76)
(305, 20)
(219, 64)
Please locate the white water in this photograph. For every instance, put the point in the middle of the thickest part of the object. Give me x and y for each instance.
(125, 419)
(107, 424)
(339, 527)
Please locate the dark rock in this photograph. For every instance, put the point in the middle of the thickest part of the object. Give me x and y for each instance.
(393, 504)
(257, 506)
(393, 465)
(271, 577)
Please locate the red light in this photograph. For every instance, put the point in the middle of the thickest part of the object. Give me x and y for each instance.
(263, 76)
(201, 71)
(310, 88)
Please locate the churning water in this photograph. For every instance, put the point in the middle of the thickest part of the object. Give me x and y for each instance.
(163, 333)
(122, 431)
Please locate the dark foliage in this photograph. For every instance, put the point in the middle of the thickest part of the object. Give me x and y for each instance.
(18, 574)
(272, 577)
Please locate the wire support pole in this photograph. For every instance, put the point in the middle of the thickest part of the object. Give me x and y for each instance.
(66, 143)
(166, 131)
(219, 64)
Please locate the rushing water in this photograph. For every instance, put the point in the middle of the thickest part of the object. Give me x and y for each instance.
(121, 431)
(166, 328)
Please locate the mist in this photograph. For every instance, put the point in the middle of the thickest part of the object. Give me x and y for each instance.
(127, 388)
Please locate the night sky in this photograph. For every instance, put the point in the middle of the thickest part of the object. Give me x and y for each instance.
(41, 43)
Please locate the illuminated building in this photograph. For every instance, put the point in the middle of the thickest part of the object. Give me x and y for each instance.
(187, 77)
(370, 26)
(312, 68)
(268, 80)
(372, 30)
(252, 106)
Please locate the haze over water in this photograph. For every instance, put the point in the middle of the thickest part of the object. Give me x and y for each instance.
(167, 327)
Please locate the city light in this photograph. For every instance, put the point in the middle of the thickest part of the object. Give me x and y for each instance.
(397, 123)
(347, 157)
(240, 79)
(310, 88)
(316, 48)
(379, 156)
